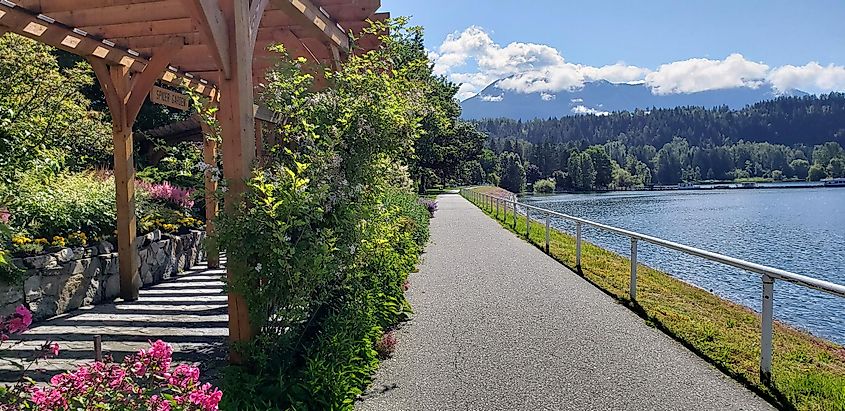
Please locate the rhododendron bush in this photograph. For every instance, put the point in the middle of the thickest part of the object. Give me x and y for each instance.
(144, 381)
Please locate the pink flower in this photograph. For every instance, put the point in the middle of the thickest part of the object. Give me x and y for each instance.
(20, 321)
(5, 216)
(54, 349)
(169, 193)
(184, 375)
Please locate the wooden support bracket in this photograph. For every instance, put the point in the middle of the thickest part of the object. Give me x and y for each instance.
(212, 25)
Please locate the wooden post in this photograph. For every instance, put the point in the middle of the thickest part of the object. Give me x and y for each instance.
(115, 82)
(238, 132)
(124, 96)
(209, 156)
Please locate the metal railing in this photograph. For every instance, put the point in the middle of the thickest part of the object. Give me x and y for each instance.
(768, 274)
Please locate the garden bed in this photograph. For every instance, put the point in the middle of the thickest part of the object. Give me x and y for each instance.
(67, 278)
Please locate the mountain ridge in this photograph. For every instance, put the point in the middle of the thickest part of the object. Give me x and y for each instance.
(603, 97)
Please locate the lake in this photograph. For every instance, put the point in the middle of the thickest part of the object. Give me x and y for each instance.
(798, 230)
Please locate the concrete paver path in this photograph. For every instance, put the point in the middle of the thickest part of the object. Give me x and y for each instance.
(499, 325)
(188, 312)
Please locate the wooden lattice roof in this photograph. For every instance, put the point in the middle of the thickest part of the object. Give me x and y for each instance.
(129, 31)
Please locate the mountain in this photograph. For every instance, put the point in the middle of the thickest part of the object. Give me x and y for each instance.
(602, 97)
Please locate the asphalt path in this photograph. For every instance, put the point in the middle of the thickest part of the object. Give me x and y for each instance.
(498, 325)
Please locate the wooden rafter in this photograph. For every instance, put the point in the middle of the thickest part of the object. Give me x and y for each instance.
(51, 32)
(212, 25)
(256, 11)
(315, 21)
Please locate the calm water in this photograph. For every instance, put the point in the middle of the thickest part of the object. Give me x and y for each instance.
(799, 230)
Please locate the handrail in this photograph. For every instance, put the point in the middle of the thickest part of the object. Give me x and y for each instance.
(769, 274)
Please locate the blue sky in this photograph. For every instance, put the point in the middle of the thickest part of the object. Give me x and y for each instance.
(640, 34)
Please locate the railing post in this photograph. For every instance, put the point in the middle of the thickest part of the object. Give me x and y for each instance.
(578, 244)
(548, 230)
(497, 208)
(633, 290)
(767, 330)
(528, 224)
(514, 213)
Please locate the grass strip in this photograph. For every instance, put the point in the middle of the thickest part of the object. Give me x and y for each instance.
(808, 373)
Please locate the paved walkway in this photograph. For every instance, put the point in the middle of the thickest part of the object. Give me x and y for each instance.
(188, 312)
(499, 325)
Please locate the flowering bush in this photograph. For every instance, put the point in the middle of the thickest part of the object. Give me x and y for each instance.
(15, 323)
(386, 345)
(430, 205)
(169, 194)
(145, 381)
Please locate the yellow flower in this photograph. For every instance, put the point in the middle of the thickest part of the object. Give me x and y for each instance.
(21, 240)
(59, 241)
(170, 227)
(42, 241)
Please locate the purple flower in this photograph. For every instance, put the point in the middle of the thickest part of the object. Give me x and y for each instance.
(430, 205)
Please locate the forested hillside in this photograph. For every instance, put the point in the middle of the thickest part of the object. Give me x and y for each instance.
(788, 138)
(787, 120)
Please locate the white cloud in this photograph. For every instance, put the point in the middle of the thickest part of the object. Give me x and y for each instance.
(526, 67)
(492, 99)
(811, 77)
(587, 110)
(694, 75)
(547, 96)
(616, 73)
(473, 59)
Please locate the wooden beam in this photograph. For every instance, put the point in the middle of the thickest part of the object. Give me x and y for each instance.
(314, 20)
(53, 33)
(212, 25)
(143, 82)
(237, 123)
(115, 82)
(256, 11)
(133, 12)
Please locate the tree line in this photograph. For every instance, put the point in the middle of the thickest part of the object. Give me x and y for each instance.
(514, 164)
(809, 120)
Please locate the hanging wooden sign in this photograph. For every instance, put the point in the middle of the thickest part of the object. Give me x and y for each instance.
(170, 98)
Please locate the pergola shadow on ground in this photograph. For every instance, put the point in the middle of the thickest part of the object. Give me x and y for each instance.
(188, 312)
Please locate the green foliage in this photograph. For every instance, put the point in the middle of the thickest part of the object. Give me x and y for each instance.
(545, 186)
(800, 168)
(817, 173)
(46, 206)
(513, 173)
(445, 143)
(602, 165)
(44, 115)
(582, 172)
(331, 231)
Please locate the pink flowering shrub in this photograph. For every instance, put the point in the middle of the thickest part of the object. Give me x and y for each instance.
(15, 323)
(145, 381)
(169, 193)
(386, 345)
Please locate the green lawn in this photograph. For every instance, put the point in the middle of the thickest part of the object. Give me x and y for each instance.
(808, 372)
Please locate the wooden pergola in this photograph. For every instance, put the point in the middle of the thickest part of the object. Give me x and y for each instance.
(214, 47)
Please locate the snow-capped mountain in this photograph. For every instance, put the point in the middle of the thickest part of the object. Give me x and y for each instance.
(601, 97)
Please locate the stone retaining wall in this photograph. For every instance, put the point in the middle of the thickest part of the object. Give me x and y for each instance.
(70, 278)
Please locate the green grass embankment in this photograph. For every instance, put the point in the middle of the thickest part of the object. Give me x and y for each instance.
(808, 373)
